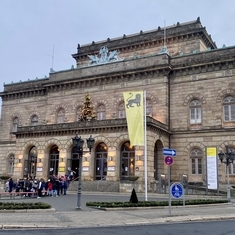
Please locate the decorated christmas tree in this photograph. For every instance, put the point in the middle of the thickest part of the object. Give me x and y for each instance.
(87, 112)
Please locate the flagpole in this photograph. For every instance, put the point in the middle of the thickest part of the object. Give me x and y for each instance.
(145, 151)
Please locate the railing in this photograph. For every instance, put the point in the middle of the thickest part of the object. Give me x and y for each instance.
(98, 182)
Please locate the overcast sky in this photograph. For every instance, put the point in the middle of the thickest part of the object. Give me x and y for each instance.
(30, 29)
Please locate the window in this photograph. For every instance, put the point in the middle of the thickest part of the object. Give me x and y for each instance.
(149, 108)
(229, 108)
(61, 116)
(101, 112)
(121, 110)
(15, 124)
(11, 160)
(196, 161)
(195, 112)
(127, 160)
(34, 120)
(78, 113)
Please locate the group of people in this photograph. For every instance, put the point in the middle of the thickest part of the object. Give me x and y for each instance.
(53, 187)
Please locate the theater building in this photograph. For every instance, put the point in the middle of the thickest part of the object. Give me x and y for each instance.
(190, 105)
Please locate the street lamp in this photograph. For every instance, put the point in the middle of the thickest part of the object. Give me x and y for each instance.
(78, 147)
(227, 158)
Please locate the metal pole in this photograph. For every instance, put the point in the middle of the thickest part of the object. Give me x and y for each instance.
(169, 189)
(145, 152)
(228, 184)
(80, 182)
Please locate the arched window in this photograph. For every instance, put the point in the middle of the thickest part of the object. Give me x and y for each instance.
(127, 160)
(196, 161)
(195, 112)
(61, 116)
(229, 108)
(149, 107)
(15, 124)
(101, 112)
(121, 110)
(34, 120)
(11, 162)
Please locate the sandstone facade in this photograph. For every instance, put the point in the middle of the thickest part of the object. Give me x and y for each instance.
(40, 117)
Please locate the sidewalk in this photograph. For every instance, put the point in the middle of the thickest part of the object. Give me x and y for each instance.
(68, 216)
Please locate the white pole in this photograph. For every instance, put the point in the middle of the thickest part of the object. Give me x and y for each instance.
(145, 151)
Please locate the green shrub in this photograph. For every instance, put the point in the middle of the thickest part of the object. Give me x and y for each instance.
(153, 203)
(23, 205)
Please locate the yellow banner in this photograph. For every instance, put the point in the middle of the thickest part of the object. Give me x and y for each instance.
(135, 116)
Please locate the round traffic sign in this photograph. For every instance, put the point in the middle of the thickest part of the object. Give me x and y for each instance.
(177, 190)
(168, 160)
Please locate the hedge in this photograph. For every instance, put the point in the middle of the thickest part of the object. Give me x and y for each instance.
(153, 203)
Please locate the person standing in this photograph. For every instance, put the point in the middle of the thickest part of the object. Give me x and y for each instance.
(11, 184)
(40, 187)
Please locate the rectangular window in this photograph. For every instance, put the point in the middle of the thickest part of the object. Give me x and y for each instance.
(121, 114)
(193, 167)
(196, 166)
(226, 113)
(11, 168)
(101, 115)
(195, 115)
(229, 112)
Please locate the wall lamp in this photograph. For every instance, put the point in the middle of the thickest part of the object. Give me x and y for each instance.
(19, 160)
(110, 158)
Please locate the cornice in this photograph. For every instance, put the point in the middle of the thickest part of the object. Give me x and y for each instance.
(96, 126)
(149, 67)
(209, 61)
(141, 40)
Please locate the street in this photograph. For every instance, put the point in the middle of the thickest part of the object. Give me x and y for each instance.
(192, 228)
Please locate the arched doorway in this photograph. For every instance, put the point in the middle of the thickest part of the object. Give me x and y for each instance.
(53, 161)
(127, 160)
(101, 161)
(158, 159)
(30, 164)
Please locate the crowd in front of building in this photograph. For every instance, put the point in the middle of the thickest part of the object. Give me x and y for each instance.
(33, 187)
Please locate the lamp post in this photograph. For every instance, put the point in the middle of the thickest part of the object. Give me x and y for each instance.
(78, 147)
(227, 158)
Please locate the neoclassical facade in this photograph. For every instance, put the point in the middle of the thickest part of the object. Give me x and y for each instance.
(190, 105)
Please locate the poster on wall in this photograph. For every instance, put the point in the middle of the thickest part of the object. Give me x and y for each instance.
(61, 169)
(211, 166)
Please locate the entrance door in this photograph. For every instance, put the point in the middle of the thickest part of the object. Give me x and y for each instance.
(73, 164)
(32, 162)
(158, 160)
(53, 161)
(101, 161)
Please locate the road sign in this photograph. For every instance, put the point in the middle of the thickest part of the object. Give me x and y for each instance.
(169, 152)
(177, 190)
(168, 160)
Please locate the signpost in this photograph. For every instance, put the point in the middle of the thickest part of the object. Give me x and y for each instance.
(168, 160)
(176, 191)
(169, 152)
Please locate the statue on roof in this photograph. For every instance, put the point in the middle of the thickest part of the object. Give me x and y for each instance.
(105, 56)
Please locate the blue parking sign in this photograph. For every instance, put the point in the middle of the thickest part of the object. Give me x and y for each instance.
(177, 190)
